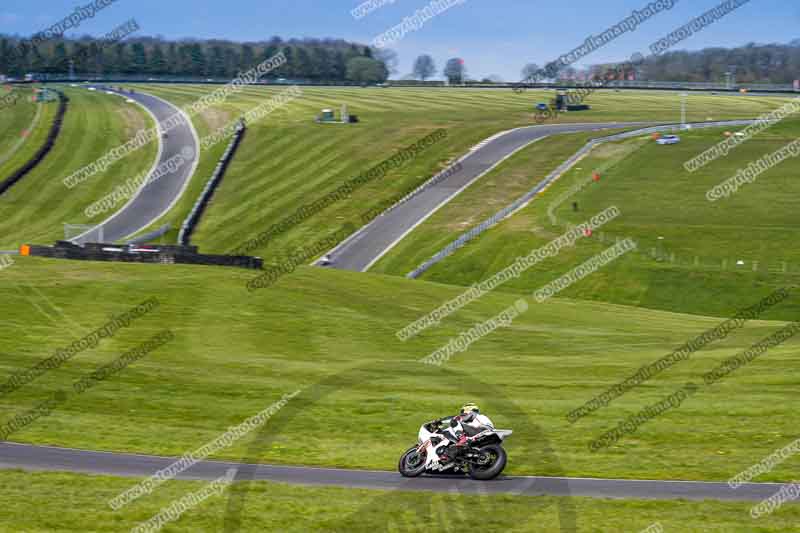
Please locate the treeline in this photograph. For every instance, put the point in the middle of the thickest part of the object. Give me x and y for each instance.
(765, 63)
(307, 59)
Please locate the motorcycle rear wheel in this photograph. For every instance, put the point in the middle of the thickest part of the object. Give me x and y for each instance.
(493, 468)
(412, 463)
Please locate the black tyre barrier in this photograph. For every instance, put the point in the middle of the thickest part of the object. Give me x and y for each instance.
(55, 129)
(157, 254)
(189, 225)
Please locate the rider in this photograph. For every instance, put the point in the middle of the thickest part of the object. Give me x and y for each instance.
(469, 422)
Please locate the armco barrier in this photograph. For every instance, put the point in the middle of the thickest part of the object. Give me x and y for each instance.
(172, 254)
(188, 226)
(40, 154)
(542, 185)
(147, 237)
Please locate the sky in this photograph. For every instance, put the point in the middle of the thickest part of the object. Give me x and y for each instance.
(493, 37)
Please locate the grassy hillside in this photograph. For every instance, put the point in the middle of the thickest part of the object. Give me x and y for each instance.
(278, 507)
(688, 246)
(287, 161)
(23, 129)
(35, 209)
(331, 335)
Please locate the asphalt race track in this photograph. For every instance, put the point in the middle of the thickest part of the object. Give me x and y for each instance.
(158, 196)
(32, 458)
(365, 247)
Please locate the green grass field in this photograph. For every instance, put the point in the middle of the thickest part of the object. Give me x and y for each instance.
(236, 353)
(23, 129)
(287, 160)
(688, 247)
(35, 209)
(277, 507)
(331, 334)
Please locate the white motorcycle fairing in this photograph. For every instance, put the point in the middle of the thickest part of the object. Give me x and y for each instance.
(432, 458)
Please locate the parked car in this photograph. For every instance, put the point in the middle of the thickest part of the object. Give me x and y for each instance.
(669, 139)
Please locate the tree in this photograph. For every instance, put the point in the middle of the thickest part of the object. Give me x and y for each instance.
(121, 63)
(302, 63)
(366, 70)
(388, 57)
(58, 61)
(216, 66)
(248, 58)
(139, 59)
(321, 66)
(455, 71)
(158, 63)
(198, 60)
(529, 71)
(173, 59)
(424, 67)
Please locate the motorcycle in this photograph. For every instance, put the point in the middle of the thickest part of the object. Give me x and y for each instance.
(482, 457)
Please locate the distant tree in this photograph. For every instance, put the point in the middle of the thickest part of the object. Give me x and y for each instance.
(173, 59)
(59, 61)
(568, 73)
(388, 57)
(121, 62)
(198, 60)
(529, 71)
(287, 69)
(366, 70)
(455, 71)
(248, 58)
(216, 62)
(302, 63)
(158, 63)
(139, 58)
(232, 62)
(5, 56)
(321, 64)
(424, 67)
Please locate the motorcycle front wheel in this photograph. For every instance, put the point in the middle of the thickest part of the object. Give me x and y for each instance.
(412, 463)
(496, 459)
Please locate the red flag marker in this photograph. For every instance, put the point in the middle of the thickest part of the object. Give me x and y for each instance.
(587, 232)
(596, 176)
